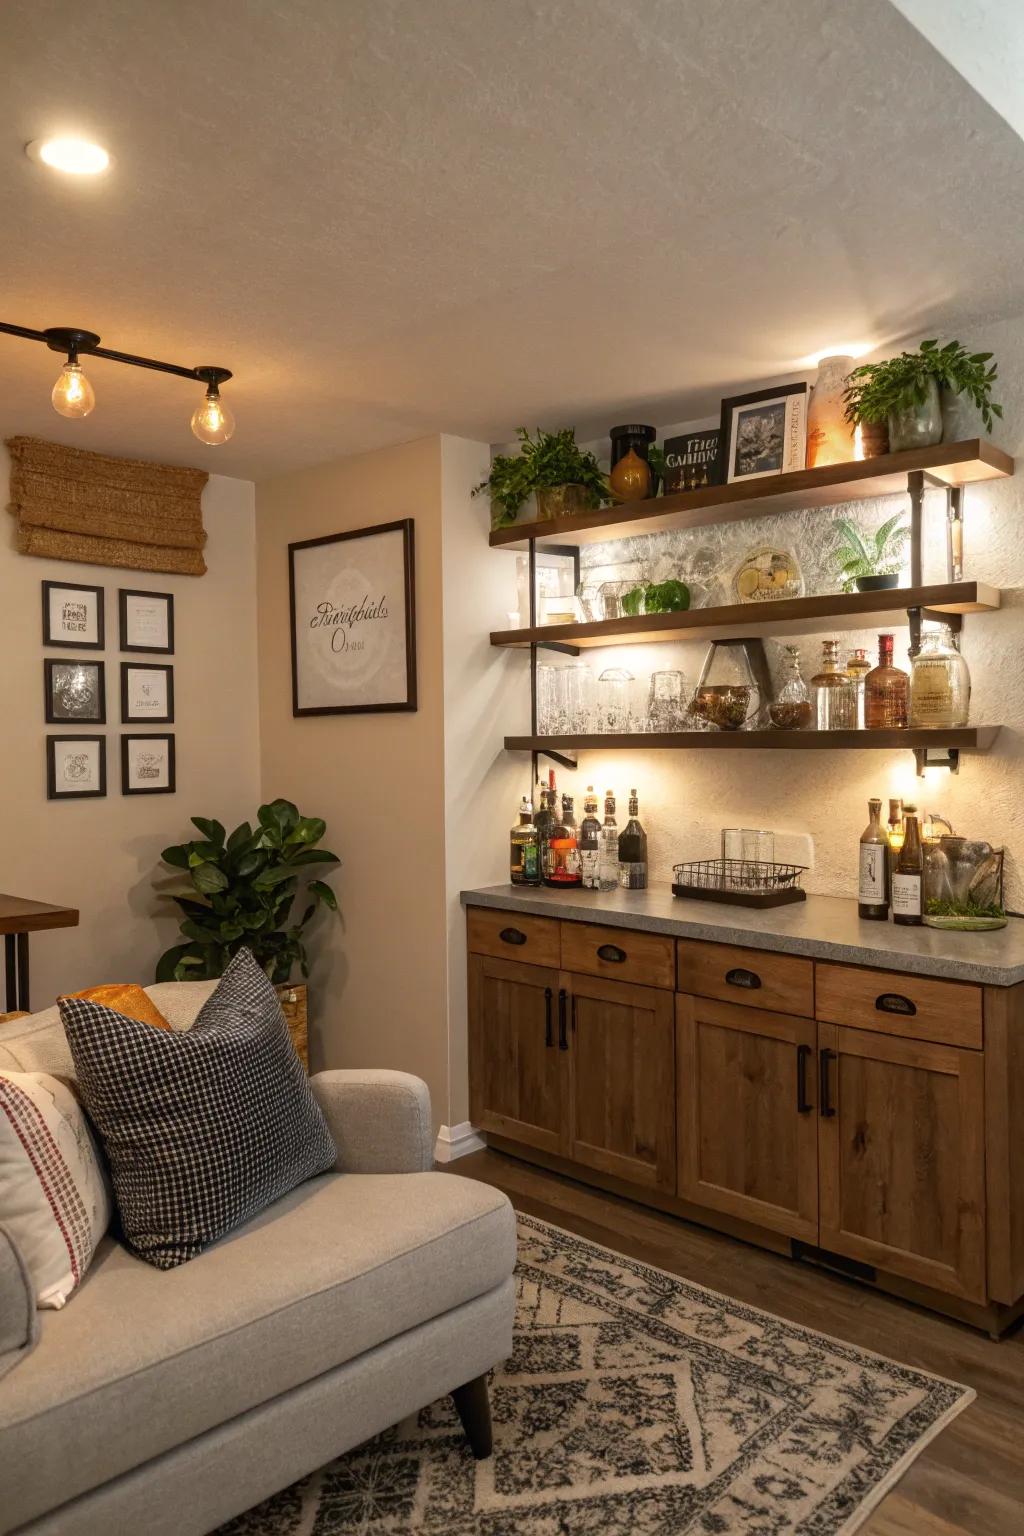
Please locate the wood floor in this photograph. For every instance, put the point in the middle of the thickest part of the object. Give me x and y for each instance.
(968, 1482)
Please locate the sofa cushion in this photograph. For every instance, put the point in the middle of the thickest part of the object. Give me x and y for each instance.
(145, 1359)
(19, 1325)
(203, 1128)
(38, 1043)
(125, 997)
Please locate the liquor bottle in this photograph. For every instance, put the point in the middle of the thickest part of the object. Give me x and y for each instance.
(608, 847)
(562, 864)
(834, 694)
(886, 692)
(524, 848)
(940, 684)
(633, 849)
(857, 668)
(873, 876)
(894, 832)
(908, 881)
(590, 841)
(544, 817)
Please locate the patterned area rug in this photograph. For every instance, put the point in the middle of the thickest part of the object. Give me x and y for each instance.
(636, 1404)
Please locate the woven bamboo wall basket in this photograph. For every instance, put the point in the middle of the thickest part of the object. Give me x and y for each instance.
(74, 505)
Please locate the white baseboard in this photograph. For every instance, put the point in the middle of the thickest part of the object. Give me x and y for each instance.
(456, 1141)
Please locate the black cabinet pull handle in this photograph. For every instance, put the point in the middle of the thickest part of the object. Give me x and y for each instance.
(803, 1055)
(549, 1038)
(826, 1107)
(740, 977)
(895, 1002)
(563, 1038)
(512, 936)
(612, 953)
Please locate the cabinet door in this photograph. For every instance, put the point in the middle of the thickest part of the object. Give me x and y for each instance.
(901, 1157)
(748, 1141)
(518, 1075)
(622, 1053)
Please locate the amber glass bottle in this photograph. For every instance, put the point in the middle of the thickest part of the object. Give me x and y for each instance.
(886, 692)
(873, 874)
(908, 879)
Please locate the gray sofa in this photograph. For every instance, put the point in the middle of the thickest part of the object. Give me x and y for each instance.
(169, 1401)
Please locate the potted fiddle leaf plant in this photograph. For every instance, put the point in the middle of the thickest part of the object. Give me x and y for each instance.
(936, 394)
(549, 466)
(869, 562)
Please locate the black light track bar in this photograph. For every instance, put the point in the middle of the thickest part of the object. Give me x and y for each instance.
(69, 339)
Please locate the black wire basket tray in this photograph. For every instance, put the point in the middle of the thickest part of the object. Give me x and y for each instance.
(740, 882)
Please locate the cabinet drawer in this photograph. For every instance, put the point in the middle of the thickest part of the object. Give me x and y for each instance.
(755, 977)
(892, 1003)
(513, 936)
(620, 953)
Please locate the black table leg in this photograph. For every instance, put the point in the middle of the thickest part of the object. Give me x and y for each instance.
(10, 975)
(23, 1001)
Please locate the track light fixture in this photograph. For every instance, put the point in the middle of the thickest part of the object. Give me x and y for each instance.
(73, 395)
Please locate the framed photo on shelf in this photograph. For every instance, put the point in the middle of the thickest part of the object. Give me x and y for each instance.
(73, 615)
(764, 433)
(76, 767)
(147, 693)
(353, 617)
(75, 692)
(147, 765)
(146, 621)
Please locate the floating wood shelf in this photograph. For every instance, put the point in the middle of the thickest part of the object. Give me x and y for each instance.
(829, 486)
(786, 616)
(977, 738)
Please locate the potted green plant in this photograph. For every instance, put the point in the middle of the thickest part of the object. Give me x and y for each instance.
(563, 477)
(241, 889)
(922, 395)
(869, 562)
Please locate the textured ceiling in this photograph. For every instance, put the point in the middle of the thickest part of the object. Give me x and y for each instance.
(391, 217)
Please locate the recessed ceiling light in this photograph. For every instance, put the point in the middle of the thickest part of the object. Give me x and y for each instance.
(77, 157)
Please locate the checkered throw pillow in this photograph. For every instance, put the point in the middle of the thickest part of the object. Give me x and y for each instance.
(202, 1128)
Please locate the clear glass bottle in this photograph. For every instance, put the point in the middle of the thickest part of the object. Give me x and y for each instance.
(940, 684)
(873, 872)
(857, 669)
(886, 692)
(562, 861)
(524, 848)
(590, 841)
(834, 694)
(633, 849)
(908, 877)
(791, 709)
(608, 847)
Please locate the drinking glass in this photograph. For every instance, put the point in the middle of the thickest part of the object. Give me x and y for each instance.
(547, 708)
(758, 846)
(666, 702)
(579, 689)
(613, 700)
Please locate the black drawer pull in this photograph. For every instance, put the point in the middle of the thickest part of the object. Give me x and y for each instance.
(563, 1038)
(895, 1002)
(826, 1107)
(549, 1038)
(739, 977)
(803, 1056)
(512, 936)
(612, 953)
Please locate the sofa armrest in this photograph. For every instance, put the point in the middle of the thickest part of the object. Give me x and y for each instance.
(380, 1120)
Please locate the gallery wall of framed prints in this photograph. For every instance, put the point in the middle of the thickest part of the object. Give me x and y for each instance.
(75, 690)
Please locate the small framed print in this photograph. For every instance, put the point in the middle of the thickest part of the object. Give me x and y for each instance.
(765, 432)
(76, 767)
(75, 692)
(147, 693)
(73, 615)
(147, 765)
(146, 621)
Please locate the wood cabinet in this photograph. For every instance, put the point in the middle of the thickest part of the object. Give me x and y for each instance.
(746, 1114)
(518, 1081)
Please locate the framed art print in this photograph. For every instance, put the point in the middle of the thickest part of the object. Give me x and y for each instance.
(764, 433)
(147, 765)
(73, 615)
(353, 621)
(147, 693)
(146, 621)
(76, 767)
(75, 692)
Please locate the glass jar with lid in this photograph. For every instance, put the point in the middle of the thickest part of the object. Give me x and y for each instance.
(940, 683)
(834, 692)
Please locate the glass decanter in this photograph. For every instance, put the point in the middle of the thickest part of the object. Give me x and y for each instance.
(886, 691)
(834, 692)
(727, 695)
(940, 684)
(791, 710)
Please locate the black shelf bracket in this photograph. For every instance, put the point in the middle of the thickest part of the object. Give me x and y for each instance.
(937, 757)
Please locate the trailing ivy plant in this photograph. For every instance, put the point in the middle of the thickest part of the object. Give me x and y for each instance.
(861, 554)
(543, 461)
(241, 891)
(875, 389)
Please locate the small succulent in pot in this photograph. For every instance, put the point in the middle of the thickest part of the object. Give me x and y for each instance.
(869, 561)
(546, 463)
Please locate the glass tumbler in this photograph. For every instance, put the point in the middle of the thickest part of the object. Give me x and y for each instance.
(613, 701)
(666, 702)
(546, 699)
(579, 690)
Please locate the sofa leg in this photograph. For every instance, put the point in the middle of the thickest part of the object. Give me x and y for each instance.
(474, 1409)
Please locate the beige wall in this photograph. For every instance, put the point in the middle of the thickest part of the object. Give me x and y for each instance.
(101, 856)
(379, 974)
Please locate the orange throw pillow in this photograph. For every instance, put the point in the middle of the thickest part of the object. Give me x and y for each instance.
(127, 999)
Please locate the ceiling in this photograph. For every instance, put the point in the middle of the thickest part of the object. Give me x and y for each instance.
(391, 218)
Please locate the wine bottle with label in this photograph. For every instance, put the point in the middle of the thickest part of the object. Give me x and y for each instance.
(873, 875)
(608, 847)
(908, 879)
(633, 849)
(589, 841)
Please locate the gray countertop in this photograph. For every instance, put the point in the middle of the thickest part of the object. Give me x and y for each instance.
(826, 927)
